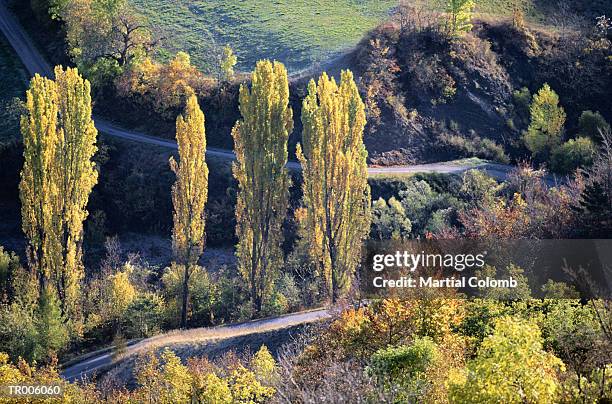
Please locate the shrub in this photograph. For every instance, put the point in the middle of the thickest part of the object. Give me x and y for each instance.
(478, 188)
(511, 367)
(18, 335)
(276, 305)
(592, 124)
(475, 146)
(522, 100)
(573, 154)
(389, 221)
(287, 286)
(143, 317)
(211, 389)
(165, 381)
(264, 366)
(403, 364)
(247, 389)
(51, 330)
(9, 266)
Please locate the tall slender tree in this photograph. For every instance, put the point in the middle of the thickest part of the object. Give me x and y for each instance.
(260, 143)
(39, 187)
(336, 190)
(189, 194)
(57, 179)
(77, 175)
(459, 16)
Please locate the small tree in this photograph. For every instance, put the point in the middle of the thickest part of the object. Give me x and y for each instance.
(51, 331)
(260, 142)
(547, 120)
(226, 64)
(459, 16)
(189, 194)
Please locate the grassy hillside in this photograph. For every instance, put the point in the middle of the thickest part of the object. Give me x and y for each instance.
(296, 32)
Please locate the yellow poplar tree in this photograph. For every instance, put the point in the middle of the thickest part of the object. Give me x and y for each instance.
(460, 16)
(77, 176)
(336, 190)
(57, 178)
(260, 143)
(189, 194)
(39, 187)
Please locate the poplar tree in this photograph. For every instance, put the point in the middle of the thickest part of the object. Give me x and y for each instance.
(189, 194)
(56, 180)
(334, 167)
(260, 143)
(39, 187)
(77, 176)
(460, 16)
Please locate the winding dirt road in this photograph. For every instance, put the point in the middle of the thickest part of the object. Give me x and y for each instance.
(36, 63)
(91, 365)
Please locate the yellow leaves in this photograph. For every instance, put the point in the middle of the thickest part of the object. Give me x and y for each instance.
(511, 367)
(547, 121)
(246, 389)
(48, 375)
(260, 144)
(227, 63)
(121, 292)
(264, 366)
(213, 390)
(190, 191)
(165, 87)
(336, 193)
(57, 178)
(167, 380)
(460, 16)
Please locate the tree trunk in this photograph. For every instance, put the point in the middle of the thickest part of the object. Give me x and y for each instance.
(185, 297)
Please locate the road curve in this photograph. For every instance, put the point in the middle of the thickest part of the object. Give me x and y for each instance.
(95, 364)
(36, 63)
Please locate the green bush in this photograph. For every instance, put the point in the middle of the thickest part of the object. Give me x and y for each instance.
(475, 146)
(203, 296)
(51, 329)
(403, 368)
(143, 317)
(18, 336)
(522, 100)
(478, 188)
(389, 221)
(573, 154)
(591, 124)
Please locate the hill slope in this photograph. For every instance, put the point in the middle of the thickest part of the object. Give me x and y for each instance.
(296, 32)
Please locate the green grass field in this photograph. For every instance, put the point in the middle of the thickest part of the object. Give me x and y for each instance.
(296, 32)
(12, 85)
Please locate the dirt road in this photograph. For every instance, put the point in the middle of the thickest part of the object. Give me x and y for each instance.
(92, 364)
